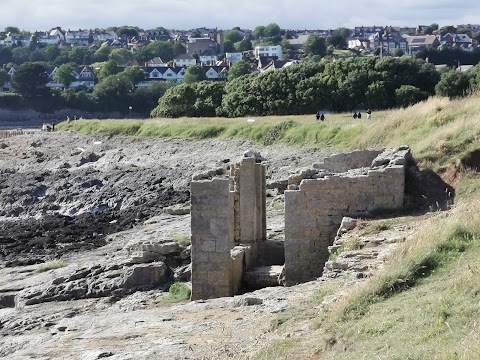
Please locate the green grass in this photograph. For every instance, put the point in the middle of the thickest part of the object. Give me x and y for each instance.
(438, 130)
(182, 239)
(423, 305)
(178, 292)
(50, 266)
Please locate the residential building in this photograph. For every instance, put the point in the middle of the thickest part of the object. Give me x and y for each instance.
(232, 58)
(184, 60)
(416, 44)
(268, 51)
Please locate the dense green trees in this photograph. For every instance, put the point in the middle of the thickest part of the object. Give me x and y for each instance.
(197, 99)
(194, 74)
(315, 45)
(453, 84)
(30, 80)
(238, 69)
(64, 75)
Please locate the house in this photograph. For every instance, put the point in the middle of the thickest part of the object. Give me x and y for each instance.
(78, 37)
(84, 77)
(416, 44)
(184, 60)
(197, 46)
(268, 51)
(216, 72)
(464, 68)
(155, 62)
(359, 43)
(277, 64)
(232, 58)
(208, 57)
(15, 40)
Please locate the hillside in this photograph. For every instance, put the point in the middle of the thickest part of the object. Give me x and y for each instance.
(409, 287)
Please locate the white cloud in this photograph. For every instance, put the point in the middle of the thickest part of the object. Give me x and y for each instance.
(225, 14)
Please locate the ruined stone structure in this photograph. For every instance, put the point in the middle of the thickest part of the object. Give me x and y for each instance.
(228, 219)
(314, 209)
(228, 215)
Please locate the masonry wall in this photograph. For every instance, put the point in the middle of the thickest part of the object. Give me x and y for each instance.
(226, 212)
(355, 159)
(212, 227)
(314, 212)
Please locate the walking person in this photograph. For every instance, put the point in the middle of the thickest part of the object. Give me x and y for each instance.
(318, 115)
(322, 117)
(369, 114)
(355, 115)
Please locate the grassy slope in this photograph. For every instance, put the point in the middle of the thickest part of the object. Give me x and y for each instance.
(426, 302)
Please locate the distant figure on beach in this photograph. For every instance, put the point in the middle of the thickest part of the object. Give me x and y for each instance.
(322, 117)
(359, 115)
(369, 114)
(355, 115)
(318, 115)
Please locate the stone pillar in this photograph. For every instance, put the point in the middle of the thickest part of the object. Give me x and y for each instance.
(212, 226)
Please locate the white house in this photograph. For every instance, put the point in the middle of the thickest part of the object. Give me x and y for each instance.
(267, 51)
(184, 60)
(232, 58)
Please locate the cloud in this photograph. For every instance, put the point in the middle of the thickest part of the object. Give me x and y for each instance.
(225, 14)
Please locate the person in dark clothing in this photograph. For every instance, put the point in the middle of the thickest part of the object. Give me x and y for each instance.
(318, 115)
(355, 115)
(369, 113)
(359, 115)
(322, 117)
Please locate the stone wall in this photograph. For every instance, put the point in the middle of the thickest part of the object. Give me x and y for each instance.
(313, 212)
(355, 159)
(226, 213)
(212, 238)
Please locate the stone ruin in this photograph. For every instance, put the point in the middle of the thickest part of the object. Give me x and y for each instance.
(228, 217)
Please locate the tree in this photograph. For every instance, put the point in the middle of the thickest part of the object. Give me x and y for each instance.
(3, 77)
(259, 32)
(398, 52)
(64, 75)
(12, 30)
(127, 31)
(79, 55)
(5, 55)
(339, 38)
(178, 49)
(121, 56)
(452, 84)
(238, 69)
(315, 45)
(407, 95)
(30, 79)
(233, 35)
(286, 49)
(51, 52)
(20, 55)
(228, 46)
(243, 45)
(134, 74)
(108, 68)
(448, 29)
(102, 53)
(272, 30)
(194, 74)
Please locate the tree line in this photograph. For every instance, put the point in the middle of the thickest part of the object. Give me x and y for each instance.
(337, 86)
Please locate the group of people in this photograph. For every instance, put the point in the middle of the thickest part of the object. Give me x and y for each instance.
(359, 114)
(321, 116)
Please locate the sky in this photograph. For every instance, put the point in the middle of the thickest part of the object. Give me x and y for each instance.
(38, 15)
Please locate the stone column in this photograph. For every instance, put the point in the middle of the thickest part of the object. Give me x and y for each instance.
(212, 226)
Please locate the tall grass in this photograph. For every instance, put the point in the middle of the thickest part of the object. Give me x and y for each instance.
(445, 238)
(438, 130)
